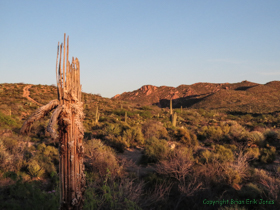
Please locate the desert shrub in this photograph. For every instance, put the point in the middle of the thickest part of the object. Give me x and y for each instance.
(232, 147)
(255, 137)
(113, 129)
(211, 132)
(268, 154)
(154, 129)
(236, 131)
(34, 169)
(123, 194)
(271, 136)
(12, 153)
(186, 137)
(134, 136)
(238, 170)
(29, 195)
(219, 154)
(223, 154)
(101, 159)
(253, 153)
(155, 150)
(7, 121)
(117, 142)
(271, 185)
(216, 172)
(47, 157)
(5, 157)
(121, 112)
(177, 165)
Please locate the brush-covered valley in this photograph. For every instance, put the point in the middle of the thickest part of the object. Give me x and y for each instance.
(205, 146)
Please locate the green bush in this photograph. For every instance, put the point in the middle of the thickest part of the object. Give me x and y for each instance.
(7, 121)
(119, 142)
(155, 150)
(29, 195)
(114, 195)
(211, 132)
(34, 169)
(47, 157)
(253, 153)
(134, 136)
(186, 137)
(114, 129)
(268, 154)
(146, 114)
(220, 154)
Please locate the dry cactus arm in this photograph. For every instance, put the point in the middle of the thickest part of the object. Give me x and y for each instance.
(40, 113)
(53, 122)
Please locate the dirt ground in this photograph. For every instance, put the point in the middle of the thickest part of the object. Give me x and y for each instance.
(26, 94)
(133, 157)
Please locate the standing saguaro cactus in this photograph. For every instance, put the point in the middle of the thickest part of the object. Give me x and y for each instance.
(171, 111)
(125, 117)
(96, 115)
(174, 119)
(68, 113)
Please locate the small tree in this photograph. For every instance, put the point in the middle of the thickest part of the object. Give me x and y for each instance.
(68, 113)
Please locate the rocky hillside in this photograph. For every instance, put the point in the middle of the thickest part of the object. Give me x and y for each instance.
(242, 97)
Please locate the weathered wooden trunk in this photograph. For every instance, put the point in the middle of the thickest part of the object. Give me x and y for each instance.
(71, 167)
(68, 112)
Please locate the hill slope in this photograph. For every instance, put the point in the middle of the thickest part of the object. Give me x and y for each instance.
(244, 96)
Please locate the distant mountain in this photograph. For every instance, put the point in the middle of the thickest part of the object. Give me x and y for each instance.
(244, 96)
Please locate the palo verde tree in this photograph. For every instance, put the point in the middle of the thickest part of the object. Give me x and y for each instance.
(68, 114)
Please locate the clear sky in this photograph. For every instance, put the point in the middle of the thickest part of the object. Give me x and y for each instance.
(125, 44)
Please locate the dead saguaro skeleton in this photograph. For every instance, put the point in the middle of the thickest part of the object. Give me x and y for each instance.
(68, 114)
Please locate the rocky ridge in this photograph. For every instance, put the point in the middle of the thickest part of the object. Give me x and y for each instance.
(245, 95)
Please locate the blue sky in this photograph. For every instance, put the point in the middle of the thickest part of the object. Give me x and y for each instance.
(125, 44)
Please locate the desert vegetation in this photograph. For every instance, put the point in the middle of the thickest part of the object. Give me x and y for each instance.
(208, 155)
